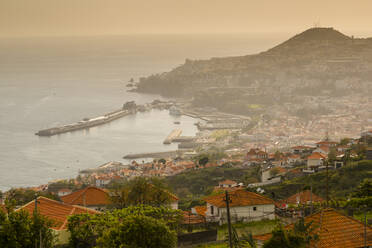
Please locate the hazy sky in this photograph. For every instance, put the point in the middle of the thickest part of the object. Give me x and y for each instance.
(89, 17)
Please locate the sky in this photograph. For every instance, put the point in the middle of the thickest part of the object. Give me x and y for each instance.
(101, 17)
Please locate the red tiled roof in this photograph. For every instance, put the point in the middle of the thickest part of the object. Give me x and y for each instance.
(201, 210)
(316, 155)
(303, 198)
(324, 148)
(228, 182)
(334, 230)
(239, 197)
(90, 196)
(55, 211)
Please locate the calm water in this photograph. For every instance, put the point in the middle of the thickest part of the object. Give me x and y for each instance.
(50, 81)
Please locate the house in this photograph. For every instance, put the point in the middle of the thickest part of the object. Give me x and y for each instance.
(334, 230)
(227, 184)
(90, 197)
(63, 192)
(256, 154)
(174, 200)
(271, 173)
(102, 181)
(323, 150)
(58, 213)
(294, 158)
(302, 198)
(244, 206)
(315, 160)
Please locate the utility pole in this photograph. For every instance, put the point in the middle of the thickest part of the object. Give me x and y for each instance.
(365, 228)
(35, 214)
(227, 199)
(311, 198)
(327, 190)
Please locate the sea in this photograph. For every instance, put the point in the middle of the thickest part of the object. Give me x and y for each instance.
(51, 81)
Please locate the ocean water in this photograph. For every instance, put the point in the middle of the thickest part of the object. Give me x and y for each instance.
(49, 81)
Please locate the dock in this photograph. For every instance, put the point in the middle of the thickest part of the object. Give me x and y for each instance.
(173, 135)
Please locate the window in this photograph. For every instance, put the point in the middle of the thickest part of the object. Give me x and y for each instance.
(212, 210)
(254, 208)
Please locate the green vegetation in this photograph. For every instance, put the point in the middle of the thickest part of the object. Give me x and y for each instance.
(140, 190)
(138, 231)
(19, 229)
(19, 197)
(298, 237)
(136, 226)
(255, 228)
(342, 182)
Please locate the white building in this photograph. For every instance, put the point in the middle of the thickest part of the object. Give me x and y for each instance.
(244, 206)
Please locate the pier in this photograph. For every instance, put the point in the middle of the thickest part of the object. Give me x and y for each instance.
(85, 123)
(173, 135)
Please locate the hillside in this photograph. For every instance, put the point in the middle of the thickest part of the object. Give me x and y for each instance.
(318, 57)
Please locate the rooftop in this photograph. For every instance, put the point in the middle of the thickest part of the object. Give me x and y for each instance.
(303, 198)
(55, 211)
(334, 230)
(239, 197)
(89, 196)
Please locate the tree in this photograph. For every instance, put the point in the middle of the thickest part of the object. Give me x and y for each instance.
(332, 155)
(203, 161)
(23, 196)
(344, 141)
(364, 189)
(138, 231)
(19, 229)
(88, 230)
(140, 190)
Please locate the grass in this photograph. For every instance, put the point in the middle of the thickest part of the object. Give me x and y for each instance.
(255, 227)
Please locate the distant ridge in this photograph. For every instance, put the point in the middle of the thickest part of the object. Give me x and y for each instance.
(314, 34)
(305, 65)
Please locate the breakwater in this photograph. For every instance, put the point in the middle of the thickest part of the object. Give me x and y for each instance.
(86, 123)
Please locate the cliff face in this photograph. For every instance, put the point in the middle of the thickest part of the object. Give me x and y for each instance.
(316, 56)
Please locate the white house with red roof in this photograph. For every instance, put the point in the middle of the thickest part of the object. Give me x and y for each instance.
(244, 206)
(315, 160)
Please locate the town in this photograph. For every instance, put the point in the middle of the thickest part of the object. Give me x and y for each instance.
(265, 187)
